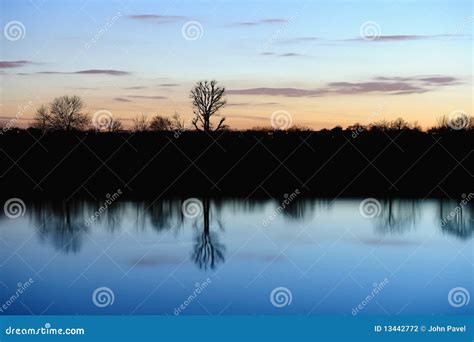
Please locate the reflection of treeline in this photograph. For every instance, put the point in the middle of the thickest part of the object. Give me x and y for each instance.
(63, 224)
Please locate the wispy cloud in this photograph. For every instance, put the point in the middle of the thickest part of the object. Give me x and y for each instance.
(157, 18)
(380, 85)
(13, 64)
(270, 21)
(169, 85)
(248, 117)
(135, 87)
(377, 39)
(397, 38)
(241, 104)
(290, 92)
(287, 54)
(121, 99)
(88, 72)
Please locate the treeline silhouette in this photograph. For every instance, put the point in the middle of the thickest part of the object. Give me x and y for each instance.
(252, 163)
(67, 153)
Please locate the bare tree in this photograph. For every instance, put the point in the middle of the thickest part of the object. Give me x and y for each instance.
(141, 123)
(207, 98)
(65, 113)
(178, 123)
(399, 125)
(115, 125)
(160, 123)
(42, 118)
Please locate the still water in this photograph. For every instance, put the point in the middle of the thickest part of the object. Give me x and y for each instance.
(234, 256)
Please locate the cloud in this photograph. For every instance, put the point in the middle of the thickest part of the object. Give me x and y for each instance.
(88, 72)
(249, 117)
(135, 87)
(156, 18)
(121, 99)
(396, 38)
(440, 80)
(240, 104)
(103, 72)
(13, 64)
(427, 79)
(274, 21)
(378, 39)
(291, 54)
(290, 92)
(388, 87)
(270, 21)
(169, 85)
(287, 54)
(380, 85)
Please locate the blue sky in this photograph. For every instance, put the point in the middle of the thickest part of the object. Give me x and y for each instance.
(309, 58)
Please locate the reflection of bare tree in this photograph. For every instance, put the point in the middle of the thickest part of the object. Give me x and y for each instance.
(60, 223)
(398, 216)
(208, 251)
(457, 218)
(113, 217)
(165, 215)
(302, 209)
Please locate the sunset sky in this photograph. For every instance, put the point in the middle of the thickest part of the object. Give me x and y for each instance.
(317, 60)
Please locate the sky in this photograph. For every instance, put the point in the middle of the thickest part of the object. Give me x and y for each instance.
(323, 63)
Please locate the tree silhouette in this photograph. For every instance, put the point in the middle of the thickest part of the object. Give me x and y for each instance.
(160, 123)
(178, 123)
(42, 118)
(114, 125)
(207, 98)
(141, 123)
(64, 114)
